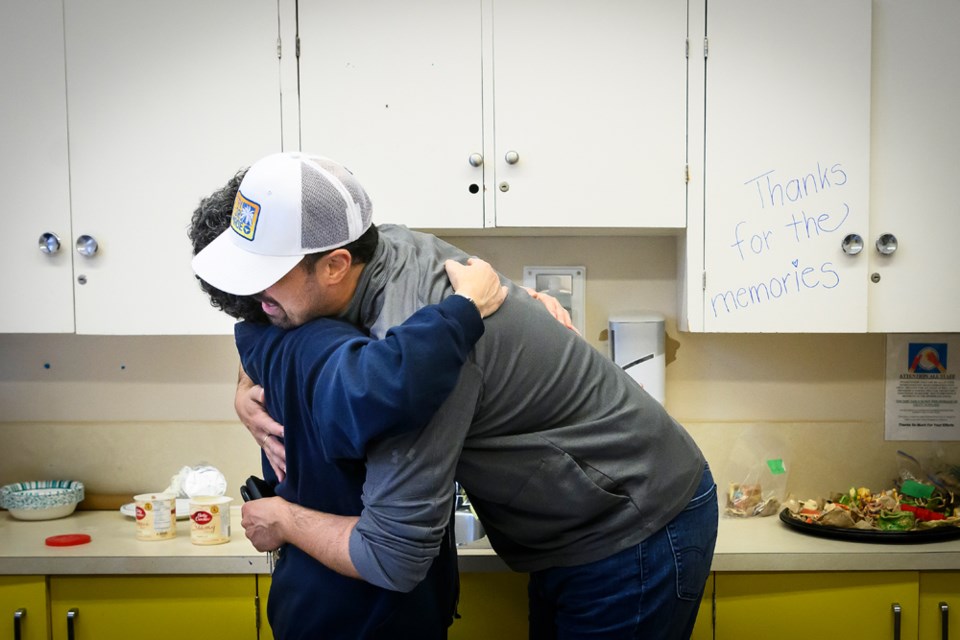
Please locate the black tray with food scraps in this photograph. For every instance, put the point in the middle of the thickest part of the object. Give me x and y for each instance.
(934, 534)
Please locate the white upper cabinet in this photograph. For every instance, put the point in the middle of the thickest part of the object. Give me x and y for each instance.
(393, 91)
(166, 101)
(520, 113)
(589, 113)
(118, 118)
(784, 176)
(782, 140)
(915, 165)
(37, 287)
(825, 122)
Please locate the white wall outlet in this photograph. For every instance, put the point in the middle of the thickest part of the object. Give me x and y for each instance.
(566, 284)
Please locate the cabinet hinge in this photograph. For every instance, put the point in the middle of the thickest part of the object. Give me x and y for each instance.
(279, 49)
(706, 47)
(298, 48)
(704, 283)
(686, 173)
(256, 609)
(686, 49)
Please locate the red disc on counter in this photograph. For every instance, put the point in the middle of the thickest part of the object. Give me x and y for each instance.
(68, 540)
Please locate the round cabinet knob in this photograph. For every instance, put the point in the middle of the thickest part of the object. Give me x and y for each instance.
(887, 244)
(49, 243)
(852, 244)
(475, 160)
(87, 246)
(512, 157)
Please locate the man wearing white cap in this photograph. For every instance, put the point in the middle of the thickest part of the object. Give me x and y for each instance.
(579, 477)
(366, 389)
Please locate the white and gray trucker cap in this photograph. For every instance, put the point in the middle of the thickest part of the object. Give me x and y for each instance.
(288, 205)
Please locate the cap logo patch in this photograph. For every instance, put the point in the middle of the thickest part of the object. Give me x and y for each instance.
(245, 215)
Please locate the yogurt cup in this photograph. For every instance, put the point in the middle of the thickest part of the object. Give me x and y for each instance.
(156, 516)
(210, 519)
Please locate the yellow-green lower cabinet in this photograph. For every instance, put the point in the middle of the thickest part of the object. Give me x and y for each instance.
(939, 611)
(263, 589)
(703, 630)
(153, 607)
(492, 605)
(872, 605)
(23, 607)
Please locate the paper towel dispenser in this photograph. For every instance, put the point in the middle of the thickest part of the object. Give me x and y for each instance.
(637, 344)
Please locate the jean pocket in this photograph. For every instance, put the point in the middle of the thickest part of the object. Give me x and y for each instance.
(693, 535)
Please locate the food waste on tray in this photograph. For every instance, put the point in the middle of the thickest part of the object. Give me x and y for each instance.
(911, 506)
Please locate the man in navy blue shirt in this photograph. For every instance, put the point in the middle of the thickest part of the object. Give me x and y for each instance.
(337, 390)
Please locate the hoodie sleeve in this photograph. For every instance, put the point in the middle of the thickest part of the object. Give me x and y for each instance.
(408, 493)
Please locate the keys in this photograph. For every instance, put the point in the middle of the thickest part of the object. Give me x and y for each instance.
(254, 489)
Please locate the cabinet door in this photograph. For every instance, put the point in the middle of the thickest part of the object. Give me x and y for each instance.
(23, 607)
(492, 605)
(915, 164)
(803, 605)
(166, 102)
(154, 607)
(37, 287)
(939, 605)
(591, 99)
(703, 628)
(393, 91)
(785, 166)
(263, 592)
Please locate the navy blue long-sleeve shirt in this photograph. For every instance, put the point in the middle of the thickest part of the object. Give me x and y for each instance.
(336, 390)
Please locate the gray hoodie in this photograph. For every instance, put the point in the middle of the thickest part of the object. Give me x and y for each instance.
(565, 458)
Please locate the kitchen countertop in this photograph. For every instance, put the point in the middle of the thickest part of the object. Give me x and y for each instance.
(114, 548)
(759, 544)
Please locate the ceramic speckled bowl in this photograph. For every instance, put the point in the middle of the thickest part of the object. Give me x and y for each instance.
(41, 499)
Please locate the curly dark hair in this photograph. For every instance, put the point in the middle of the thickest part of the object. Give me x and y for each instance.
(209, 220)
(212, 218)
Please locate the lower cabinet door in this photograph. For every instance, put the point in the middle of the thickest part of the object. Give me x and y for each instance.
(153, 607)
(23, 607)
(263, 590)
(807, 605)
(492, 605)
(939, 611)
(703, 629)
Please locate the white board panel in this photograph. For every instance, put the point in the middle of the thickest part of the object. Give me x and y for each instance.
(787, 141)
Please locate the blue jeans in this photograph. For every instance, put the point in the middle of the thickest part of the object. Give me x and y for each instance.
(651, 590)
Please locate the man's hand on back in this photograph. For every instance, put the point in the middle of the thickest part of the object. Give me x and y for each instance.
(478, 281)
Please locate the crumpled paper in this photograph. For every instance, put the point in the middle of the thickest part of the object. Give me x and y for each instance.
(201, 480)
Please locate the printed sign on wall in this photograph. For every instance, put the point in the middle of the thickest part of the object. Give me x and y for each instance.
(922, 401)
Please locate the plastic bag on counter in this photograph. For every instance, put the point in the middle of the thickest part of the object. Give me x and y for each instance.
(932, 482)
(934, 469)
(758, 473)
(200, 480)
